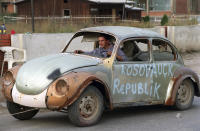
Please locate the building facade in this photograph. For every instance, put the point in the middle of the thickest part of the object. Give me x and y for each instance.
(169, 7)
(79, 8)
(7, 7)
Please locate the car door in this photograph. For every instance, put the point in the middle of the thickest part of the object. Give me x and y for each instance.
(164, 65)
(132, 81)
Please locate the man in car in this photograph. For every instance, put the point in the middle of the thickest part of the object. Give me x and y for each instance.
(105, 49)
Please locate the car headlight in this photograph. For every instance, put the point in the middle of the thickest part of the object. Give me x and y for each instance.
(8, 78)
(62, 87)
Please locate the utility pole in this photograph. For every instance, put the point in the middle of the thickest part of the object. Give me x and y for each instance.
(189, 7)
(15, 7)
(172, 7)
(123, 13)
(0, 8)
(147, 7)
(32, 13)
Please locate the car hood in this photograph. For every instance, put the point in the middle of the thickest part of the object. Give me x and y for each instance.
(35, 75)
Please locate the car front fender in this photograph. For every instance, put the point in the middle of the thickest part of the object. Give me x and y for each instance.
(77, 82)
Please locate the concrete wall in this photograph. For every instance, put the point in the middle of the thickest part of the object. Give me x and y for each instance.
(184, 38)
(37, 45)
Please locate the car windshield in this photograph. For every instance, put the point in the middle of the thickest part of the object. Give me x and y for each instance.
(88, 44)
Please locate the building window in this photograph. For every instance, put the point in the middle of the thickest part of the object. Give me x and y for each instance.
(65, 1)
(67, 12)
(4, 8)
(160, 5)
(155, 5)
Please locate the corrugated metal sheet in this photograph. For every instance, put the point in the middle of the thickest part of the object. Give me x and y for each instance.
(99, 1)
(112, 1)
(133, 8)
(6, 1)
(18, 1)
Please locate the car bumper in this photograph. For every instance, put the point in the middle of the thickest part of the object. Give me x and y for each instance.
(37, 101)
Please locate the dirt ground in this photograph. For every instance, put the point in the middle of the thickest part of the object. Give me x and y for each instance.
(191, 60)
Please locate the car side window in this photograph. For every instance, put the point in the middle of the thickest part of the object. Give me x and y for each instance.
(136, 50)
(162, 51)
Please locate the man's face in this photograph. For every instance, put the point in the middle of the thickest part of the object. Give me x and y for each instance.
(103, 43)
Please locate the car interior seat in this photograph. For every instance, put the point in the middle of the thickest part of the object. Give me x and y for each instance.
(128, 49)
(131, 50)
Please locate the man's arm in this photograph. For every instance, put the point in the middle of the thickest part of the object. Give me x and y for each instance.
(78, 51)
(121, 56)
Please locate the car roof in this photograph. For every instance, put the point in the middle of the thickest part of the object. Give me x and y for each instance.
(123, 32)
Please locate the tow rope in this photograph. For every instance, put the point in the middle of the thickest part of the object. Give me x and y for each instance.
(20, 112)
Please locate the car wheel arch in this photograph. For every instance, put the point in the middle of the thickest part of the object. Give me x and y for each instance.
(100, 85)
(105, 92)
(179, 76)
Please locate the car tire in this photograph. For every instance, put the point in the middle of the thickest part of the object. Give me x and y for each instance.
(88, 108)
(21, 112)
(184, 95)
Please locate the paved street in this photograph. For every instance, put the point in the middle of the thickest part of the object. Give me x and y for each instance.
(153, 118)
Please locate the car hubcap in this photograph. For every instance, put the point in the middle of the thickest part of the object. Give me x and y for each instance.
(87, 106)
(184, 94)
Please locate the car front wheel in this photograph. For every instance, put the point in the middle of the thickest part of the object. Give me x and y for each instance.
(185, 95)
(21, 112)
(88, 108)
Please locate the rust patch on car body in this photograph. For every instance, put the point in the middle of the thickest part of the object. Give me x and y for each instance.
(76, 83)
(181, 74)
(7, 89)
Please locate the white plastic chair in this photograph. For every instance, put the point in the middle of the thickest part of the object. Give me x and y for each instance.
(12, 56)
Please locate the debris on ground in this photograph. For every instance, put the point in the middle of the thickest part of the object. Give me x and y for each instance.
(179, 115)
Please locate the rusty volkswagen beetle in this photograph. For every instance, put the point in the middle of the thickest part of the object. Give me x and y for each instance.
(83, 85)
